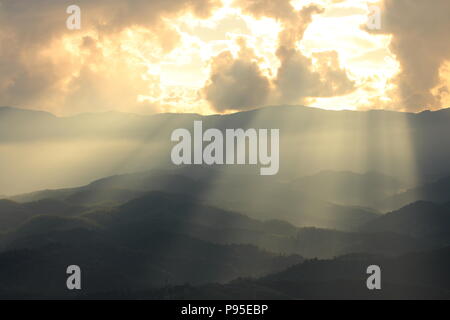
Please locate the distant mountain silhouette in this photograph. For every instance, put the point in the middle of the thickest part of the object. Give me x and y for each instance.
(161, 240)
(348, 188)
(214, 187)
(362, 140)
(182, 214)
(116, 189)
(414, 276)
(435, 191)
(13, 214)
(125, 262)
(189, 232)
(419, 219)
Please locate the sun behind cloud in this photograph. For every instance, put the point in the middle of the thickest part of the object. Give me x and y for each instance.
(205, 56)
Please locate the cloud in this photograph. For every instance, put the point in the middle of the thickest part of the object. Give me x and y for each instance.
(35, 21)
(420, 41)
(236, 84)
(297, 77)
(38, 70)
(296, 80)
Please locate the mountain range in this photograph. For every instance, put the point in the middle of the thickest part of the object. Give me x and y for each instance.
(412, 148)
(349, 195)
(181, 239)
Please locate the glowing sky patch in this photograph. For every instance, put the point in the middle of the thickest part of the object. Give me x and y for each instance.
(164, 65)
(365, 56)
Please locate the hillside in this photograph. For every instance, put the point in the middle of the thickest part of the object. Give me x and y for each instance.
(414, 276)
(276, 199)
(13, 214)
(106, 144)
(419, 219)
(435, 191)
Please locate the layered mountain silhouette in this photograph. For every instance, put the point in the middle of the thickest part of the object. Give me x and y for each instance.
(435, 191)
(168, 240)
(141, 244)
(354, 189)
(412, 148)
(13, 214)
(286, 202)
(413, 276)
(161, 240)
(182, 214)
(420, 219)
(349, 188)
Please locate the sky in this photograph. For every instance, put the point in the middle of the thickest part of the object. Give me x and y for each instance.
(222, 56)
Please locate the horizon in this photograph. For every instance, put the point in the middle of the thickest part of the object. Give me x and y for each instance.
(229, 113)
(74, 150)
